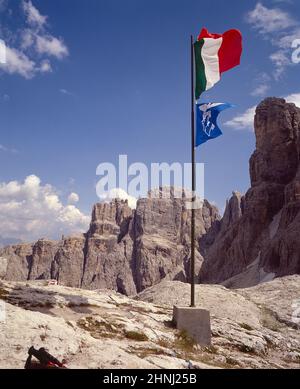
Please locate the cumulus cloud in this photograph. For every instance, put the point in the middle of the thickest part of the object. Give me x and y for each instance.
(267, 20)
(27, 39)
(30, 210)
(281, 60)
(18, 63)
(280, 28)
(73, 198)
(263, 85)
(260, 90)
(51, 46)
(36, 45)
(34, 17)
(118, 193)
(45, 66)
(293, 98)
(245, 121)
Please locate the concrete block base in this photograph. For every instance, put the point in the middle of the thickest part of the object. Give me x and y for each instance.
(196, 323)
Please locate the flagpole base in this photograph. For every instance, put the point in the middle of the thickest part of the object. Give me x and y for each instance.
(195, 322)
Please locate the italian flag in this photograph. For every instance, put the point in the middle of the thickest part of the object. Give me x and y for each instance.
(214, 55)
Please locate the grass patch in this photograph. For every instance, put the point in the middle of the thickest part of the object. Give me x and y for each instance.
(106, 329)
(183, 347)
(3, 294)
(232, 362)
(245, 326)
(211, 350)
(184, 341)
(148, 352)
(170, 324)
(246, 349)
(132, 308)
(164, 343)
(268, 320)
(138, 336)
(100, 329)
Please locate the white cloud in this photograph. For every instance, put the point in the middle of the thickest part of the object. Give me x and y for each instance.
(30, 210)
(45, 66)
(281, 61)
(33, 15)
(36, 45)
(263, 85)
(27, 39)
(66, 92)
(267, 20)
(73, 198)
(260, 90)
(51, 46)
(18, 63)
(280, 28)
(285, 42)
(293, 98)
(118, 193)
(245, 121)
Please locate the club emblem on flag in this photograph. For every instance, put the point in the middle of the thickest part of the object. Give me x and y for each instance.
(207, 126)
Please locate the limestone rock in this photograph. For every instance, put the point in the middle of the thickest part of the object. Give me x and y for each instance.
(43, 253)
(259, 322)
(3, 267)
(261, 241)
(124, 250)
(67, 264)
(233, 211)
(108, 252)
(162, 237)
(251, 328)
(19, 261)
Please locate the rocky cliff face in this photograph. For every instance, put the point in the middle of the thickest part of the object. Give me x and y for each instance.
(124, 250)
(260, 235)
(129, 251)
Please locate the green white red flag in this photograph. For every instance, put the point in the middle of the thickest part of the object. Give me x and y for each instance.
(214, 55)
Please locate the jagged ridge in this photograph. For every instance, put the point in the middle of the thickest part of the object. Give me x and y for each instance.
(124, 250)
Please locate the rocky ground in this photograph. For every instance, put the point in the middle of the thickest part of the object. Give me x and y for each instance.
(252, 328)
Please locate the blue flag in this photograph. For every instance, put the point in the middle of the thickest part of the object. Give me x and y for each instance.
(207, 126)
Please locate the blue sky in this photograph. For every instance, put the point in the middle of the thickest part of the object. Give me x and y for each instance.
(89, 80)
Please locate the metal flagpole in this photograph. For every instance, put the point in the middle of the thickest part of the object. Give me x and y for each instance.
(192, 267)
